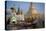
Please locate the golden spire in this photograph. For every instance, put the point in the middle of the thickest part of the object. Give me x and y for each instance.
(32, 9)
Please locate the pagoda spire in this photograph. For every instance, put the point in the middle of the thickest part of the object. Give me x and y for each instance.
(30, 9)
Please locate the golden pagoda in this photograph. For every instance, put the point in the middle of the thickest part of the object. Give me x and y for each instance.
(32, 11)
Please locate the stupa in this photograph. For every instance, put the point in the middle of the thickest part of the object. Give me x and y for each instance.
(32, 11)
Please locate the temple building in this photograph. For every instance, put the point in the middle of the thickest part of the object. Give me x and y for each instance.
(19, 16)
(33, 12)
